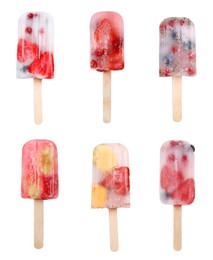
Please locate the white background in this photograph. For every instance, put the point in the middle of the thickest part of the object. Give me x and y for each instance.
(72, 118)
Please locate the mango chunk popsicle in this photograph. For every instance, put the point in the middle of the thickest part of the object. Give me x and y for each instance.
(106, 51)
(35, 58)
(177, 56)
(39, 179)
(177, 186)
(110, 183)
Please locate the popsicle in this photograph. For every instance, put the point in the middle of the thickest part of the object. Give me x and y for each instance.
(177, 186)
(35, 53)
(106, 51)
(177, 56)
(110, 183)
(39, 179)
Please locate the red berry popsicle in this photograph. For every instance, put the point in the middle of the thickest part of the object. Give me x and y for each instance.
(110, 183)
(177, 186)
(106, 51)
(39, 179)
(177, 56)
(35, 53)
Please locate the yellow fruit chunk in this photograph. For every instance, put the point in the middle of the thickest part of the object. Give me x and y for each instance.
(104, 158)
(32, 191)
(47, 161)
(99, 196)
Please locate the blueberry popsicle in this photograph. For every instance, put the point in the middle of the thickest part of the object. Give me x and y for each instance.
(177, 186)
(35, 53)
(177, 56)
(110, 183)
(39, 179)
(106, 51)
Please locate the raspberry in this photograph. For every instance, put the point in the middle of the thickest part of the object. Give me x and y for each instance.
(171, 157)
(174, 49)
(182, 22)
(171, 23)
(28, 30)
(30, 16)
(163, 26)
(93, 64)
(99, 52)
(184, 158)
(191, 71)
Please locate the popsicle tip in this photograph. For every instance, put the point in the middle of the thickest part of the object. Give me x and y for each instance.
(38, 121)
(176, 248)
(106, 120)
(177, 119)
(114, 249)
(38, 245)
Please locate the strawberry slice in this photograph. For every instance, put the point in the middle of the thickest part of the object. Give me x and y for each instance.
(170, 179)
(103, 29)
(43, 66)
(107, 39)
(117, 181)
(27, 50)
(185, 193)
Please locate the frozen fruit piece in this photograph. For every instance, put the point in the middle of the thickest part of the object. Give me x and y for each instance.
(104, 158)
(118, 181)
(28, 30)
(27, 50)
(49, 186)
(103, 30)
(43, 66)
(185, 193)
(173, 143)
(47, 161)
(33, 191)
(99, 196)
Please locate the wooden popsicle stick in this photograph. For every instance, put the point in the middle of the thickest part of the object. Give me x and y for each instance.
(113, 229)
(177, 98)
(38, 224)
(37, 101)
(177, 228)
(107, 96)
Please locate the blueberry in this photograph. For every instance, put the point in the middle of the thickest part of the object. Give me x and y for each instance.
(165, 196)
(168, 59)
(188, 45)
(192, 146)
(174, 35)
(25, 69)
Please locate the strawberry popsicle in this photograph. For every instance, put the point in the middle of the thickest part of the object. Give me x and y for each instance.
(106, 51)
(39, 179)
(177, 56)
(35, 53)
(177, 186)
(110, 183)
